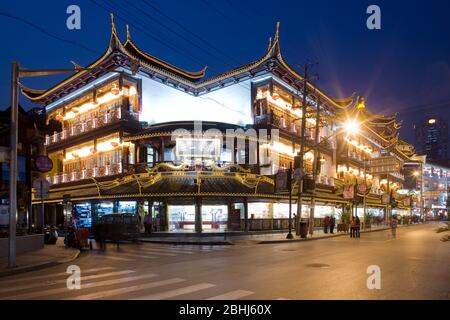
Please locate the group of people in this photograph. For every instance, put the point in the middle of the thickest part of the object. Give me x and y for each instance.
(329, 223)
(355, 227)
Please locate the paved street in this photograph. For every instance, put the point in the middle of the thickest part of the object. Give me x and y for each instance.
(415, 265)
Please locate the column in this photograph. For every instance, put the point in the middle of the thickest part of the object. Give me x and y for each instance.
(246, 224)
(198, 214)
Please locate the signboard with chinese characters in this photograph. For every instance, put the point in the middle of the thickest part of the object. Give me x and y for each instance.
(349, 192)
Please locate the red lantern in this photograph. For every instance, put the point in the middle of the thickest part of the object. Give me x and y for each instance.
(275, 96)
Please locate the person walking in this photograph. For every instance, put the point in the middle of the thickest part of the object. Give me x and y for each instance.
(352, 227)
(394, 227)
(148, 223)
(326, 222)
(357, 227)
(332, 223)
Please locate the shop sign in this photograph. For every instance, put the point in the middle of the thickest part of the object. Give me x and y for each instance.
(349, 192)
(44, 164)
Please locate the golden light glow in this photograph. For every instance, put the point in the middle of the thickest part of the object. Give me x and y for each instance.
(90, 150)
(432, 121)
(416, 173)
(88, 106)
(351, 126)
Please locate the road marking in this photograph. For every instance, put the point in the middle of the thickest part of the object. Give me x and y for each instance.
(232, 295)
(53, 275)
(139, 256)
(149, 253)
(168, 250)
(115, 292)
(33, 295)
(283, 299)
(176, 292)
(41, 284)
(117, 258)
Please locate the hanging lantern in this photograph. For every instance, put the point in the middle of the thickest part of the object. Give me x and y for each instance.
(93, 150)
(322, 159)
(76, 156)
(74, 110)
(275, 96)
(59, 117)
(115, 89)
(114, 144)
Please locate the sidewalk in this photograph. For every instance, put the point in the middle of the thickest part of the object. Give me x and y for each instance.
(259, 238)
(49, 256)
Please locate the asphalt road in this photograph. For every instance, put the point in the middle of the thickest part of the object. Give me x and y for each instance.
(414, 265)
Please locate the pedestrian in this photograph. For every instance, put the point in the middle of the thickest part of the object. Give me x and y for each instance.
(148, 223)
(357, 227)
(326, 222)
(352, 227)
(332, 223)
(394, 227)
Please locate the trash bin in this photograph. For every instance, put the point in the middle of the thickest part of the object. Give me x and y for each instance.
(303, 229)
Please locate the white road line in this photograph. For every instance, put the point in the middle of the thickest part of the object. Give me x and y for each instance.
(53, 275)
(150, 253)
(168, 250)
(117, 258)
(232, 295)
(176, 292)
(139, 256)
(115, 292)
(40, 294)
(50, 283)
(283, 299)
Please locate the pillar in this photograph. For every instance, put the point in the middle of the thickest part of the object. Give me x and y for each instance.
(198, 215)
(246, 224)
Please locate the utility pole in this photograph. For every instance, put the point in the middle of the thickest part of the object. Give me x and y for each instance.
(315, 169)
(13, 165)
(302, 142)
(17, 73)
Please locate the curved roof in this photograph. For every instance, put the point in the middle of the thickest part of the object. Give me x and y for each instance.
(129, 49)
(196, 80)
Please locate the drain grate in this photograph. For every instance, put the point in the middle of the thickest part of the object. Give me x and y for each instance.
(318, 265)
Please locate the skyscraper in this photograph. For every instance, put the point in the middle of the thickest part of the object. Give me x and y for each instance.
(431, 138)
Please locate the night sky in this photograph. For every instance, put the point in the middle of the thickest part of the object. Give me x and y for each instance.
(404, 67)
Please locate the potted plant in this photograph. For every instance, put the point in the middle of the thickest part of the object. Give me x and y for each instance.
(345, 219)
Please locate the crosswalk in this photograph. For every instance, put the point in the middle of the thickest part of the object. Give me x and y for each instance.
(148, 252)
(112, 283)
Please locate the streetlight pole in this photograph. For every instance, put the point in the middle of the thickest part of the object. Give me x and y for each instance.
(13, 165)
(17, 73)
(289, 177)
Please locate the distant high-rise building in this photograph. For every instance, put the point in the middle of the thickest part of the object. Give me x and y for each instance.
(432, 138)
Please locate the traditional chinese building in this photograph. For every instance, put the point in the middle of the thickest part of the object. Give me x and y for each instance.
(142, 136)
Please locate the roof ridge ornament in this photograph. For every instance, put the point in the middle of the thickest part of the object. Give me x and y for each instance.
(270, 43)
(128, 33)
(277, 33)
(113, 24)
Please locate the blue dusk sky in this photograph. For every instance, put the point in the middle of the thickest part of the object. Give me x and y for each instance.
(403, 68)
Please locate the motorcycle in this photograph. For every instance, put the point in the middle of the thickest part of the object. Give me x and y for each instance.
(50, 235)
(71, 239)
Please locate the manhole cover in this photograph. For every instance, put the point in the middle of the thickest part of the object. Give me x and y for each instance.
(318, 265)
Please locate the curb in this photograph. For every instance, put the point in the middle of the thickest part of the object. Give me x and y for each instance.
(185, 242)
(324, 237)
(38, 266)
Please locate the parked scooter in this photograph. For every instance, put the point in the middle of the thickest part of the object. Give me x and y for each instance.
(50, 235)
(71, 239)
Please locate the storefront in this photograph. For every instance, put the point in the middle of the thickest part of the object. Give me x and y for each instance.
(182, 218)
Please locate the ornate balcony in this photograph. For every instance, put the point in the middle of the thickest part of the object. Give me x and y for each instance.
(91, 124)
(79, 175)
